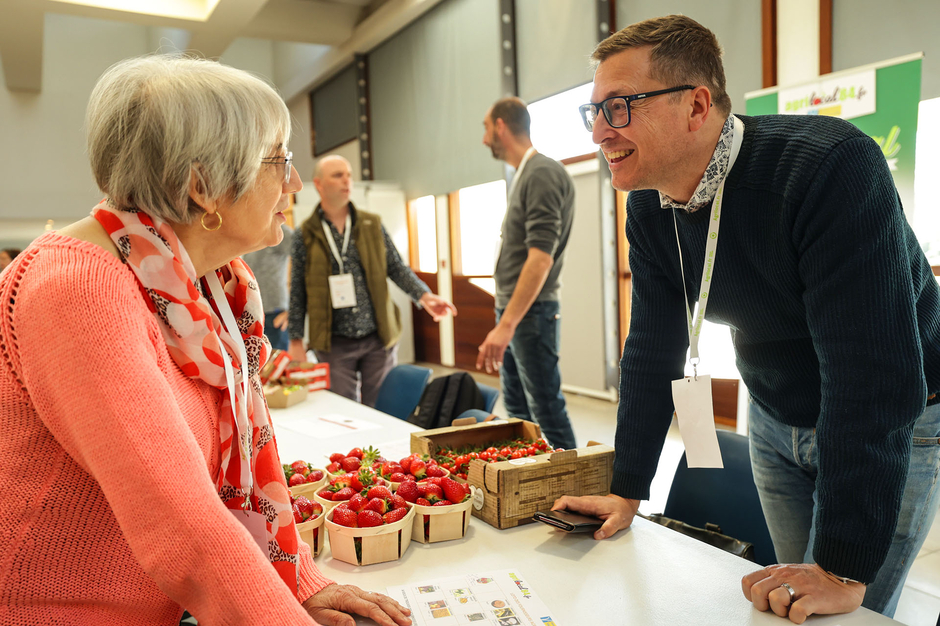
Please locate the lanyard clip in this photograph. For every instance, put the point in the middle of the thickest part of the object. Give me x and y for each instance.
(694, 361)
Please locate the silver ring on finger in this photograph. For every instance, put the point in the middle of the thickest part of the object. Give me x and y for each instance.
(790, 591)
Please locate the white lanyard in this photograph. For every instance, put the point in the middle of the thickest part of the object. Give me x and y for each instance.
(711, 245)
(525, 159)
(241, 416)
(329, 240)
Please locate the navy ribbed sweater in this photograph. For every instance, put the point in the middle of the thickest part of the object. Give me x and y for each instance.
(834, 314)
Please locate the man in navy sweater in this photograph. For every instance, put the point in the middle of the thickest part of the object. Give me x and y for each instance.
(833, 309)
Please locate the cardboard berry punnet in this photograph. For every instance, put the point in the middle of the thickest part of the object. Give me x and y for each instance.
(376, 544)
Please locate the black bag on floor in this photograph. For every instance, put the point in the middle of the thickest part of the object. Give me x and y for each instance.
(444, 399)
(711, 535)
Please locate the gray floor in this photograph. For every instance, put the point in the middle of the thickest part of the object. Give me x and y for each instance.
(595, 420)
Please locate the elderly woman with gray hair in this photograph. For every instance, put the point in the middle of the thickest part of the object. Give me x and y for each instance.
(140, 472)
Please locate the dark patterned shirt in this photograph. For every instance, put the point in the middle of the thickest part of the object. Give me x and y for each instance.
(353, 322)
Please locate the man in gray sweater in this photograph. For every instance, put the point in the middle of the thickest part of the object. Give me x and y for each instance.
(524, 345)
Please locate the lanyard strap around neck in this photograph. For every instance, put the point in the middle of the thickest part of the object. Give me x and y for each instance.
(329, 240)
(525, 159)
(239, 410)
(711, 245)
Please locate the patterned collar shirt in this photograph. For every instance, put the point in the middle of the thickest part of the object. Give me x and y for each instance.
(714, 174)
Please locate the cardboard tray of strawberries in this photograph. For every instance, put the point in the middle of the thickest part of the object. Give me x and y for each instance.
(509, 492)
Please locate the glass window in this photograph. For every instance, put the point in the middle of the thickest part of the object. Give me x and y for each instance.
(481, 209)
(556, 127)
(926, 166)
(424, 220)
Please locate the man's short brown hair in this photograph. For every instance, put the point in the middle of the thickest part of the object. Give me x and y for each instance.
(514, 114)
(682, 52)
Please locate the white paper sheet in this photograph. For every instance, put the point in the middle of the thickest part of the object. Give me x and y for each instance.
(329, 425)
(494, 598)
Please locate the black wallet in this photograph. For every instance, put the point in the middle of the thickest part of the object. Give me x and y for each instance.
(568, 521)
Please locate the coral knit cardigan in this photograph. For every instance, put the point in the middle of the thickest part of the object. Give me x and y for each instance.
(108, 513)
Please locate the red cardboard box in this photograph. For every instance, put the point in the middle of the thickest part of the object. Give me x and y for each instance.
(311, 375)
(274, 368)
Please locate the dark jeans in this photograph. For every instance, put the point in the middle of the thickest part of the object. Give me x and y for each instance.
(530, 378)
(277, 337)
(348, 358)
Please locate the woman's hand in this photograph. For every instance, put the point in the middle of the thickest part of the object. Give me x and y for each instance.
(332, 605)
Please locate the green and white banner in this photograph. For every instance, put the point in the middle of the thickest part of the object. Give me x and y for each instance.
(880, 99)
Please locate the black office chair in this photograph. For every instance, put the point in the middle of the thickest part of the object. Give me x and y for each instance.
(726, 497)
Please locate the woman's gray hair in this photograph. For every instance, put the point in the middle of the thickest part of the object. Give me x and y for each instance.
(153, 120)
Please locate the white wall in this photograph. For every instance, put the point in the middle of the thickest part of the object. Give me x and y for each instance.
(45, 169)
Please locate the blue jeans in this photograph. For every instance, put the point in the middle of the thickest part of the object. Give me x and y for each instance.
(276, 336)
(530, 378)
(785, 461)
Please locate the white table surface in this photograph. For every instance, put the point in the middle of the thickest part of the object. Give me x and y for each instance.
(647, 575)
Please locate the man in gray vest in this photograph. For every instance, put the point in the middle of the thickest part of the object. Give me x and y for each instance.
(525, 343)
(341, 259)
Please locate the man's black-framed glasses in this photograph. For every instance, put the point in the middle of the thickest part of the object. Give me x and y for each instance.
(281, 160)
(617, 108)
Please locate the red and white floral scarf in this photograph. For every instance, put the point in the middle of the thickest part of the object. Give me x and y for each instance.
(192, 328)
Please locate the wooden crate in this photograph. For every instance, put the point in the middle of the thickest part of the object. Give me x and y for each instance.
(510, 492)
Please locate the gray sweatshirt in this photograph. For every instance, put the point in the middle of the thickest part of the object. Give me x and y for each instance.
(539, 215)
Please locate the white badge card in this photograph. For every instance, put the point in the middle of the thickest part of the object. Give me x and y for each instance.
(693, 401)
(342, 291)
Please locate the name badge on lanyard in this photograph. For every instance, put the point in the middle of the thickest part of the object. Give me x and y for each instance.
(342, 286)
(692, 395)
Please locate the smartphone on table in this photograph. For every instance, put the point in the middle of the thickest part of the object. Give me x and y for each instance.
(569, 521)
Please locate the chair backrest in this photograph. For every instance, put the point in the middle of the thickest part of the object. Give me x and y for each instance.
(490, 394)
(726, 497)
(401, 390)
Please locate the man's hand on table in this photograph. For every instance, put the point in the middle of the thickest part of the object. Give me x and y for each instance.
(815, 590)
(616, 512)
(332, 605)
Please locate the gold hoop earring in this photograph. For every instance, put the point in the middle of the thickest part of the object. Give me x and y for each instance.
(203, 222)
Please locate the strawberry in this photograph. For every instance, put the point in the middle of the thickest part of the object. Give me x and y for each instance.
(316, 509)
(395, 515)
(433, 480)
(422, 502)
(406, 462)
(453, 490)
(408, 491)
(357, 502)
(369, 456)
(314, 476)
(363, 480)
(378, 505)
(296, 479)
(351, 464)
(334, 468)
(343, 480)
(368, 518)
(442, 503)
(398, 502)
(326, 494)
(298, 517)
(337, 457)
(436, 471)
(418, 469)
(356, 452)
(343, 494)
(300, 467)
(345, 517)
(431, 492)
(379, 492)
(398, 477)
(304, 507)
